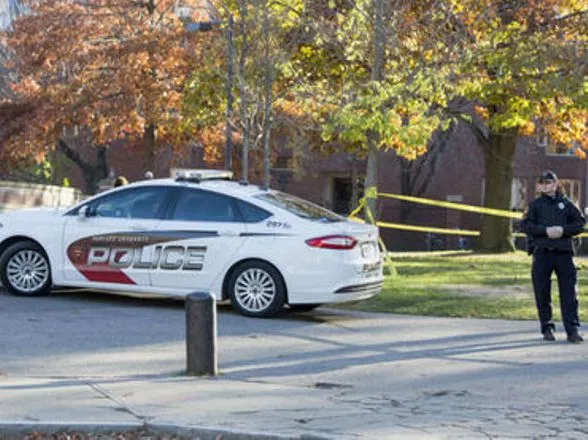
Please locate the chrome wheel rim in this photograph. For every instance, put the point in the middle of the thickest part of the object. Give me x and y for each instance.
(27, 270)
(255, 290)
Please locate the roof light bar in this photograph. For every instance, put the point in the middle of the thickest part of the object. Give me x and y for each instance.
(196, 175)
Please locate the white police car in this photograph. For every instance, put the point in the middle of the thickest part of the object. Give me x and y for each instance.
(199, 231)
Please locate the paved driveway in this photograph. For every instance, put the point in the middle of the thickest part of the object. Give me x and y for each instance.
(75, 357)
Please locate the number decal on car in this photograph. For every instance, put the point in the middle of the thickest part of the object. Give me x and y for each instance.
(277, 224)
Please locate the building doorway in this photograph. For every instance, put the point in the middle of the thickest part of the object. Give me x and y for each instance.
(346, 195)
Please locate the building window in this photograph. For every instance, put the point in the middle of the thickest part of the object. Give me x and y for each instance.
(560, 150)
(572, 189)
(283, 163)
(552, 149)
(542, 138)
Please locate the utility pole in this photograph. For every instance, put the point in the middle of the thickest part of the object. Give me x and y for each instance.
(229, 110)
(243, 90)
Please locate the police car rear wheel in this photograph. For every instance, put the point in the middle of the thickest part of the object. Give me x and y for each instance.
(25, 269)
(256, 289)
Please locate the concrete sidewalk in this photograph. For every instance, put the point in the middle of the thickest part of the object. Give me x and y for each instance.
(328, 375)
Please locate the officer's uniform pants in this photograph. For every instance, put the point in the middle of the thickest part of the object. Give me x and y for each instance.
(544, 264)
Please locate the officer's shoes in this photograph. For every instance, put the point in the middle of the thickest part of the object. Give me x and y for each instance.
(575, 338)
(548, 335)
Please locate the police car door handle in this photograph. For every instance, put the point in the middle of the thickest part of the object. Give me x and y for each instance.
(229, 233)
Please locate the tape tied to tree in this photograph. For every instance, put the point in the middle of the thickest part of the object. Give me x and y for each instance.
(371, 192)
(453, 205)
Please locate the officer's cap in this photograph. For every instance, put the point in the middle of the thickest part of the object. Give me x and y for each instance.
(547, 176)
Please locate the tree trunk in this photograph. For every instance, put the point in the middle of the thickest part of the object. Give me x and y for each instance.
(229, 109)
(371, 179)
(417, 174)
(92, 172)
(149, 129)
(499, 151)
(149, 145)
(405, 188)
(371, 175)
(243, 91)
(267, 119)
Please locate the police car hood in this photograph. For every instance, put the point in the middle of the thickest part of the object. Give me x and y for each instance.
(31, 215)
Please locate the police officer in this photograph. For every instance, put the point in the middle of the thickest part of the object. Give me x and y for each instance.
(550, 222)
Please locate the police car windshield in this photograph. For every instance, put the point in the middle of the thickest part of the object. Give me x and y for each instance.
(300, 207)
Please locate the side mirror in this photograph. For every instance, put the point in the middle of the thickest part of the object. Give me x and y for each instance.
(84, 212)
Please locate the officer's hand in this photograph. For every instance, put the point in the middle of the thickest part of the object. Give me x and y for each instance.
(554, 232)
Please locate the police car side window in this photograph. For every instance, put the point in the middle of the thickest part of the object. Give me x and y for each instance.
(204, 206)
(252, 213)
(136, 203)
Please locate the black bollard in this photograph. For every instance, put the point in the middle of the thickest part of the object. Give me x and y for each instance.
(201, 334)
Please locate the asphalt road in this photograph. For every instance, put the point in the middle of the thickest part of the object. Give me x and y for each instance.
(88, 333)
(343, 374)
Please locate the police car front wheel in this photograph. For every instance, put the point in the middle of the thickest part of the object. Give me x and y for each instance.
(25, 269)
(256, 289)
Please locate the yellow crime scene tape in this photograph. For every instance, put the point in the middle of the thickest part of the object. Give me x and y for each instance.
(352, 216)
(453, 205)
(372, 193)
(464, 232)
(457, 206)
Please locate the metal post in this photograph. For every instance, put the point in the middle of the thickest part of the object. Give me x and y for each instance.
(201, 334)
(229, 109)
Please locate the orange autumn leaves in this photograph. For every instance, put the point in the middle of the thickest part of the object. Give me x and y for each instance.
(118, 67)
(112, 67)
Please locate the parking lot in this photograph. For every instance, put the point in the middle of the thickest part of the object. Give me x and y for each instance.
(78, 357)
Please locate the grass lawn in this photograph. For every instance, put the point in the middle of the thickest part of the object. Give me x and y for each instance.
(465, 284)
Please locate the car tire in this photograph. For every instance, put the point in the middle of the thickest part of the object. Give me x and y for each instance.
(304, 307)
(25, 269)
(257, 289)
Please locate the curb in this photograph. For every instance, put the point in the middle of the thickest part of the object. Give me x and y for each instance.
(151, 431)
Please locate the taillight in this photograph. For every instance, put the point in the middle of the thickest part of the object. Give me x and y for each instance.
(343, 242)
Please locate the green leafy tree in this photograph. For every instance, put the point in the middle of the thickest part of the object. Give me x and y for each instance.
(375, 76)
(523, 68)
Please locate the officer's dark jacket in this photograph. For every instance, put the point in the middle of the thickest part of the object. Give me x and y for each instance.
(552, 211)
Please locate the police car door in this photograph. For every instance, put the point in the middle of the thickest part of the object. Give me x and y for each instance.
(111, 240)
(206, 231)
